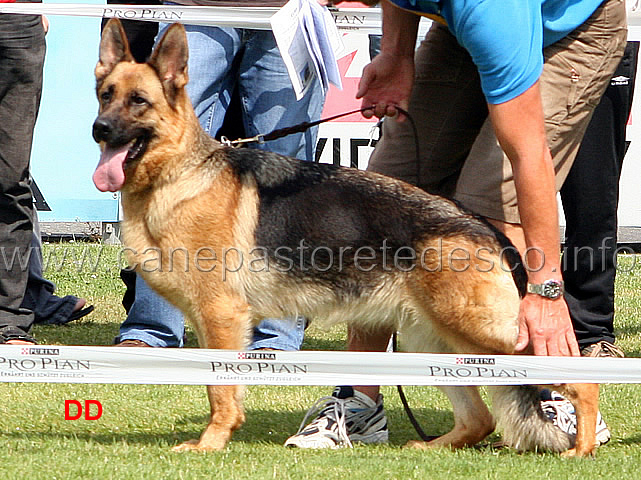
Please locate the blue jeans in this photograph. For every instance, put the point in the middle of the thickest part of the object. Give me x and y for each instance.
(219, 60)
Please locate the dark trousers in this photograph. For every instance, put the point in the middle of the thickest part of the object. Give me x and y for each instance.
(140, 34)
(590, 197)
(39, 296)
(22, 51)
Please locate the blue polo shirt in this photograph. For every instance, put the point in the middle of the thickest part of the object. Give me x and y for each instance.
(506, 37)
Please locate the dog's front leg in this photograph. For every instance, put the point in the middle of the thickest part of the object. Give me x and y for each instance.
(223, 324)
(585, 398)
(226, 416)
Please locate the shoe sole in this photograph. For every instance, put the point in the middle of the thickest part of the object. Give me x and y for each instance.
(377, 437)
(372, 438)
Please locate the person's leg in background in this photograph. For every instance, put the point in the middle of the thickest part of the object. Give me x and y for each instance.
(590, 197)
(151, 321)
(39, 296)
(22, 53)
(268, 102)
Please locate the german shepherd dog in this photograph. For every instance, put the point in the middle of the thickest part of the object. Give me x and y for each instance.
(323, 232)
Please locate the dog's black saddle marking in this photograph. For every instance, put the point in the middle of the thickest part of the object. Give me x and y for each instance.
(322, 213)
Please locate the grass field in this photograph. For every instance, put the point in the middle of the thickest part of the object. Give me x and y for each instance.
(140, 424)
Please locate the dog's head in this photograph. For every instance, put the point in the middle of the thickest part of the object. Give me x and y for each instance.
(141, 105)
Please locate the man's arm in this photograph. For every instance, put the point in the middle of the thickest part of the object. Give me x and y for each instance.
(519, 127)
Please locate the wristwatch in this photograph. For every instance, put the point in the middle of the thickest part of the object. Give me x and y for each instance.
(551, 289)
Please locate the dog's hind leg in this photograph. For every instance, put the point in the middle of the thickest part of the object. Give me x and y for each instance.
(472, 420)
(224, 324)
(585, 398)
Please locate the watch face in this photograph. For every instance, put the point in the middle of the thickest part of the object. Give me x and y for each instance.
(552, 289)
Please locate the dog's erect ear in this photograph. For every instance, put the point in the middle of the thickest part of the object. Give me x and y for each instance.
(114, 48)
(170, 61)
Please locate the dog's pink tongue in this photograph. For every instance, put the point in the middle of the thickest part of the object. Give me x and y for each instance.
(110, 173)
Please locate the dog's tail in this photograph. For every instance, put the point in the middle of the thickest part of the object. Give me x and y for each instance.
(523, 424)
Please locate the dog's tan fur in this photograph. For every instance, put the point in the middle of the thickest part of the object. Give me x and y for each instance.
(188, 191)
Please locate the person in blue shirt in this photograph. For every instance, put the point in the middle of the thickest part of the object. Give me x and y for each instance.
(501, 92)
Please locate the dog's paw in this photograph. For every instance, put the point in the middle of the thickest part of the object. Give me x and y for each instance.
(186, 446)
(198, 446)
(420, 445)
(574, 453)
(571, 453)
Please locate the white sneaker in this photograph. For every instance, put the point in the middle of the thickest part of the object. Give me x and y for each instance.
(561, 412)
(346, 417)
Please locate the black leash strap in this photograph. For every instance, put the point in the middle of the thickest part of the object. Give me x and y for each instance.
(406, 405)
(283, 132)
(299, 128)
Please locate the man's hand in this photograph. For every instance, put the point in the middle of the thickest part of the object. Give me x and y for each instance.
(386, 83)
(545, 325)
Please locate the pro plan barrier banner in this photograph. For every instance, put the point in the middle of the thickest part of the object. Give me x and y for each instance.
(363, 20)
(64, 364)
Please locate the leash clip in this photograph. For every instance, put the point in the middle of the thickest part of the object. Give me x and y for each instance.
(260, 138)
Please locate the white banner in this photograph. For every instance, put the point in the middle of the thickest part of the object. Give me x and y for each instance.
(365, 20)
(71, 364)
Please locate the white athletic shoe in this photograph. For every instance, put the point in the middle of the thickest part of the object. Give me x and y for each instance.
(561, 412)
(346, 417)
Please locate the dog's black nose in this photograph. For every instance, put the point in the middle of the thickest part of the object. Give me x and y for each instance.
(101, 129)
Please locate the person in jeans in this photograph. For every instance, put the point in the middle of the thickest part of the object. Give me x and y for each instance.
(493, 84)
(222, 61)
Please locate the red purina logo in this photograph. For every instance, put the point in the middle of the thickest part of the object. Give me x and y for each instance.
(74, 409)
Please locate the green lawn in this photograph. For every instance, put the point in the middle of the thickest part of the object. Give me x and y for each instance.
(140, 424)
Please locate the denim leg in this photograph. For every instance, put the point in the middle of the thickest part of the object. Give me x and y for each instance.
(211, 72)
(269, 102)
(277, 334)
(152, 319)
(268, 99)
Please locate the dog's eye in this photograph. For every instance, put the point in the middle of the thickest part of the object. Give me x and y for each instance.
(138, 100)
(105, 96)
